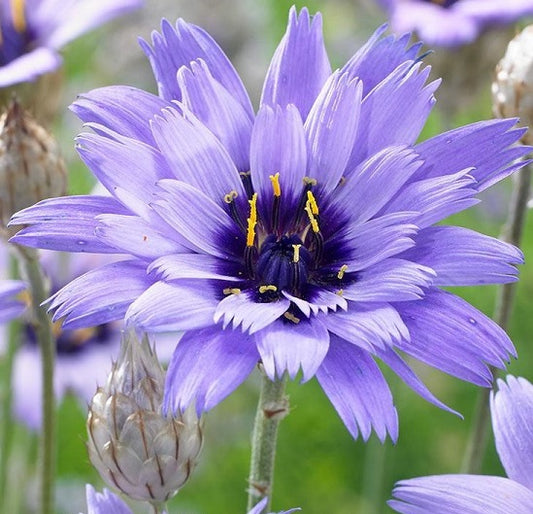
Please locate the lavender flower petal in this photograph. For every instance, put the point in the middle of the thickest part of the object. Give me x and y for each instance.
(358, 391)
(512, 411)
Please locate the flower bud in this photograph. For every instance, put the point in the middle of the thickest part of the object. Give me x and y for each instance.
(31, 167)
(512, 89)
(132, 445)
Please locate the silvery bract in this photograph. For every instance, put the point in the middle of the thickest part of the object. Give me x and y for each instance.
(135, 448)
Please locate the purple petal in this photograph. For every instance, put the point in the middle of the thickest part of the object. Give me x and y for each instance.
(183, 305)
(331, 128)
(177, 47)
(123, 109)
(300, 65)
(197, 266)
(368, 326)
(463, 257)
(512, 411)
(375, 240)
(105, 503)
(243, 310)
(278, 146)
(320, 300)
(29, 66)
(201, 223)
(389, 281)
(72, 19)
(135, 236)
(9, 307)
(379, 57)
(394, 112)
(436, 198)
(494, 11)
(207, 366)
(485, 147)
(451, 335)
(357, 389)
(100, 295)
(377, 178)
(287, 346)
(66, 224)
(218, 110)
(196, 156)
(464, 494)
(399, 366)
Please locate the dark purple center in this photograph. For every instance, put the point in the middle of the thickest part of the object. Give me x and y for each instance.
(442, 3)
(14, 40)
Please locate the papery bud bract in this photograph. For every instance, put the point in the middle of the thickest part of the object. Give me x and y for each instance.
(512, 89)
(132, 445)
(31, 167)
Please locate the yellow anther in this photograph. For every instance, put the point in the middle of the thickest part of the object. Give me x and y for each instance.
(230, 196)
(296, 255)
(270, 287)
(82, 335)
(314, 223)
(342, 271)
(252, 221)
(291, 317)
(312, 202)
(308, 181)
(340, 292)
(17, 11)
(275, 184)
(231, 290)
(24, 297)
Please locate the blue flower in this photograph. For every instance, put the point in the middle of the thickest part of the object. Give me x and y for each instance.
(452, 22)
(512, 422)
(32, 31)
(302, 237)
(10, 306)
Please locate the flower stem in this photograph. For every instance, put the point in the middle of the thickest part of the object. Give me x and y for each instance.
(273, 406)
(6, 428)
(158, 507)
(512, 233)
(31, 272)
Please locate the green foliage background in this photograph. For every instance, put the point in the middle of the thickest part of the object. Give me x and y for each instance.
(319, 467)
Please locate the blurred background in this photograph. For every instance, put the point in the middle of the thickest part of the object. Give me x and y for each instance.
(319, 467)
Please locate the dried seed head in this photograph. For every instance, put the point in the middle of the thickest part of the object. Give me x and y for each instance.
(512, 89)
(31, 167)
(135, 448)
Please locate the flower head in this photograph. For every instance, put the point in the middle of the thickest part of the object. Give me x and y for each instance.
(452, 22)
(512, 422)
(302, 237)
(32, 31)
(10, 306)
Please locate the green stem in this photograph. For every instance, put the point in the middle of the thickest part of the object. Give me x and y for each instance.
(31, 271)
(374, 475)
(273, 406)
(158, 508)
(6, 424)
(512, 233)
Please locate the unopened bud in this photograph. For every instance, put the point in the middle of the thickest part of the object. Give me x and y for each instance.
(135, 448)
(31, 167)
(512, 89)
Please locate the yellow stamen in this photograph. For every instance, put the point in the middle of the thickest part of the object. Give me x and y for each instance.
(231, 290)
(82, 335)
(314, 223)
(291, 317)
(342, 271)
(230, 196)
(308, 181)
(56, 328)
(19, 19)
(252, 221)
(275, 184)
(312, 202)
(24, 297)
(340, 292)
(270, 287)
(296, 255)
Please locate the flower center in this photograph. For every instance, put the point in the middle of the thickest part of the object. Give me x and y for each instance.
(284, 262)
(15, 37)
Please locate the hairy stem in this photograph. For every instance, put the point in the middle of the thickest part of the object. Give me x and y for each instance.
(512, 233)
(273, 406)
(31, 272)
